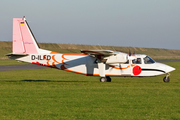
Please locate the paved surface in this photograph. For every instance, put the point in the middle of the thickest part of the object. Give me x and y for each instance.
(20, 67)
(32, 66)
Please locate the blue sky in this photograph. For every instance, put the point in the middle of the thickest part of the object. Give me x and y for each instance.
(135, 23)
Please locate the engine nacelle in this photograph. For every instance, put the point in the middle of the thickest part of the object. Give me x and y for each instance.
(117, 59)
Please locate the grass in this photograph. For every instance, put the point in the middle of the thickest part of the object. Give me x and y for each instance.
(47, 94)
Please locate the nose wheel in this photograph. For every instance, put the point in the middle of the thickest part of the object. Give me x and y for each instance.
(166, 79)
(105, 79)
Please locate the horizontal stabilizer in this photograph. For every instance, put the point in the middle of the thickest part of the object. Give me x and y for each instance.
(11, 54)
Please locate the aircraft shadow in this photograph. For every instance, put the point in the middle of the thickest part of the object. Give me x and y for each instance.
(50, 81)
(41, 81)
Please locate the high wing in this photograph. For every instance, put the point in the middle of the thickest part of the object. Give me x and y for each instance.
(107, 56)
(104, 53)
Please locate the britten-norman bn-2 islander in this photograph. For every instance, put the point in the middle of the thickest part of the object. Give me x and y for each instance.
(103, 63)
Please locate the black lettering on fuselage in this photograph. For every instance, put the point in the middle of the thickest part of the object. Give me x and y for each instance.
(33, 57)
(48, 57)
(40, 57)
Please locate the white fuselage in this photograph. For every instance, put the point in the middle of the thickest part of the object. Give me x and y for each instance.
(87, 65)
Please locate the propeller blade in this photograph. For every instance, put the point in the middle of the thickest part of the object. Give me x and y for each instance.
(129, 52)
(134, 52)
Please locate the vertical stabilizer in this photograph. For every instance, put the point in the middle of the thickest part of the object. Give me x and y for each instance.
(23, 39)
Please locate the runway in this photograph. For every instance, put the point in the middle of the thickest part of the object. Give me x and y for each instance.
(32, 66)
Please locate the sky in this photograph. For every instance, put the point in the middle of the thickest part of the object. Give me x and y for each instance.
(133, 23)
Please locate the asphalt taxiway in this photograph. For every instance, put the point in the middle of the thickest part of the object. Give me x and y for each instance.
(20, 67)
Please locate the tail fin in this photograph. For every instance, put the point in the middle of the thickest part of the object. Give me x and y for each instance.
(24, 41)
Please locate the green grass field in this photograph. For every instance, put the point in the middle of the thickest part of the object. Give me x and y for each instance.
(50, 94)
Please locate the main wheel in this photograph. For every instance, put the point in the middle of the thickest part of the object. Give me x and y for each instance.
(103, 79)
(166, 79)
(108, 79)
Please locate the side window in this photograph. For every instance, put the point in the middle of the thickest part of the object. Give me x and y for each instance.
(137, 61)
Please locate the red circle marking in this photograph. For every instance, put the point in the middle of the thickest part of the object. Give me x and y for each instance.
(137, 70)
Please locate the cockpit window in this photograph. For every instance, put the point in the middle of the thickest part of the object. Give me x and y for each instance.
(137, 61)
(148, 60)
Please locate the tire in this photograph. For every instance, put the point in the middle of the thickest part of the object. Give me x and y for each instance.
(103, 79)
(166, 79)
(108, 79)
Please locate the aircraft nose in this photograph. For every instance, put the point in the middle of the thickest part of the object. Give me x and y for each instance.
(169, 69)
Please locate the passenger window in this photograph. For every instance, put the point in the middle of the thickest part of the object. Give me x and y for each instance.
(137, 61)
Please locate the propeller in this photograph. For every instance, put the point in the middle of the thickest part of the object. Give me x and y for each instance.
(134, 52)
(131, 56)
(129, 52)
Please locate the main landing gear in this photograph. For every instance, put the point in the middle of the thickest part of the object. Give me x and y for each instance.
(166, 79)
(105, 79)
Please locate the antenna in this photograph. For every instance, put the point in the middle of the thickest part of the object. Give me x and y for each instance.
(23, 17)
(100, 46)
(113, 48)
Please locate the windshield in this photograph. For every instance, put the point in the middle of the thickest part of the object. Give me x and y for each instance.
(148, 60)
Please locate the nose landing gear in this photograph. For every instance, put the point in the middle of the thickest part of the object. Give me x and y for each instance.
(166, 79)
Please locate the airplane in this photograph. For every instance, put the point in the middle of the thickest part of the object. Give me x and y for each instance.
(103, 63)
